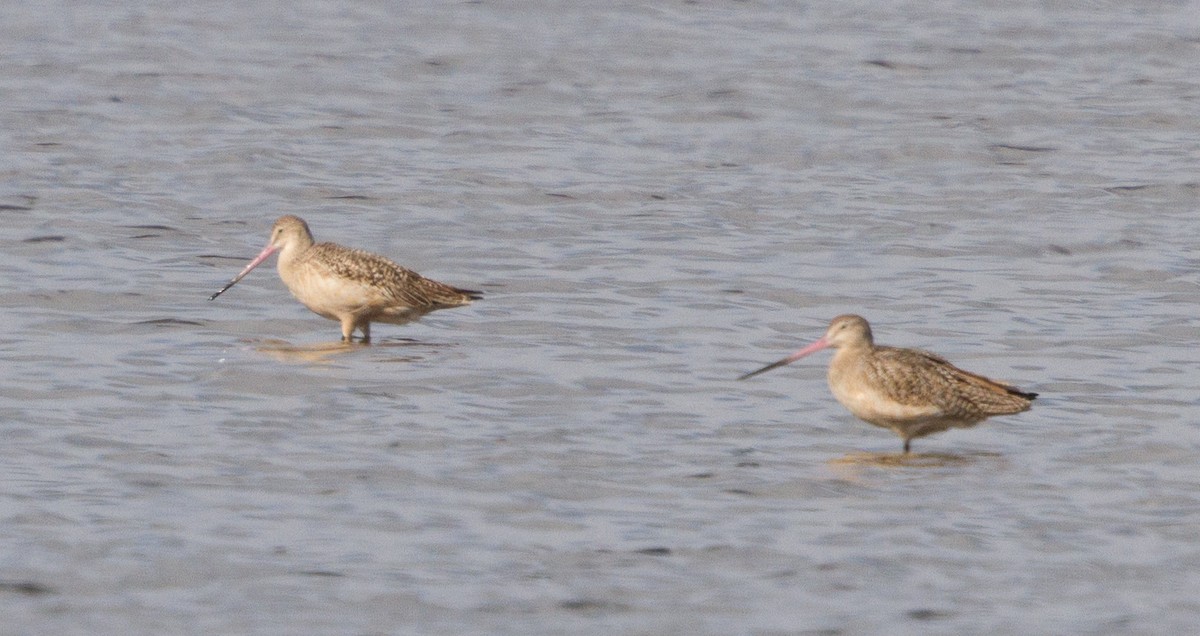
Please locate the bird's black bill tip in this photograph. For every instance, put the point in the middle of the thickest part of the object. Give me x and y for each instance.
(222, 290)
(773, 365)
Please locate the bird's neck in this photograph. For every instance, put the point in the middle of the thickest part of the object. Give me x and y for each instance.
(292, 250)
(852, 351)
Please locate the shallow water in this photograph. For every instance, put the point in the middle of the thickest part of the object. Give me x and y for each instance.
(655, 200)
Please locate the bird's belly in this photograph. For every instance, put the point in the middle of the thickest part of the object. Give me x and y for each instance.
(876, 408)
(330, 296)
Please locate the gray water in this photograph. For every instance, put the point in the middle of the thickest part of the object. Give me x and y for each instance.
(656, 198)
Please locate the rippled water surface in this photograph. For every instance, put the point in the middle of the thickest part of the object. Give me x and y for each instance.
(656, 198)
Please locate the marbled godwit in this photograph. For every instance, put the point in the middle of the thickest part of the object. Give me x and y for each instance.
(353, 287)
(915, 393)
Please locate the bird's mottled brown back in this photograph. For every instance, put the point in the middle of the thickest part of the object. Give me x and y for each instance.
(916, 377)
(399, 284)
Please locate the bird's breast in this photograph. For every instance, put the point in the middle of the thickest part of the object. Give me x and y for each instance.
(866, 395)
(326, 293)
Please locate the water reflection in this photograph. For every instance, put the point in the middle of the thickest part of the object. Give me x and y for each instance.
(285, 351)
(909, 460)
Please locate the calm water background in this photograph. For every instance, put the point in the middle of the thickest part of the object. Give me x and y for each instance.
(657, 197)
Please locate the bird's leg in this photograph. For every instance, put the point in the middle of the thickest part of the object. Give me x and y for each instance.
(347, 329)
(365, 328)
(906, 445)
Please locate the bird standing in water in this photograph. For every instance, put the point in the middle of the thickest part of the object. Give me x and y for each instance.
(912, 392)
(353, 287)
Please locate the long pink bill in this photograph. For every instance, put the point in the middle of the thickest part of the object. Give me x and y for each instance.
(812, 348)
(262, 256)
